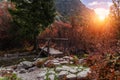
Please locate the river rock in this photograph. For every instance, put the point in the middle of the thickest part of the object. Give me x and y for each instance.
(57, 64)
(43, 69)
(25, 64)
(42, 74)
(13, 67)
(58, 69)
(74, 71)
(48, 61)
(32, 69)
(68, 57)
(66, 68)
(62, 73)
(87, 70)
(71, 62)
(55, 61)
(60, 59)
(79, 69)
(22, 71)
(64, 62)
(52, 76)
(81, 61)
(75, 67)
(51, 72)
(71, 77)
(71, 58)
(83, 73)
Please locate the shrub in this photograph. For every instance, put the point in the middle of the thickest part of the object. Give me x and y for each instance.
(104, 67)
(10, 77)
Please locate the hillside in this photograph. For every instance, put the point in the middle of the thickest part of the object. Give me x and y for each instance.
(69, 7)
(74, 8)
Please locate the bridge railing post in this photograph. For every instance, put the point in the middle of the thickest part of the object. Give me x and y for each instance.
(48, 46)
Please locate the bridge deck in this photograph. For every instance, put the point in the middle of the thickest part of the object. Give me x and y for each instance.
(52, 51)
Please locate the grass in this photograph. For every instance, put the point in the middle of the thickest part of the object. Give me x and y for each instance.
(12, 77)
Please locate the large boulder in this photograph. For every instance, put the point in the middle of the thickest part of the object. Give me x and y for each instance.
(25, 64)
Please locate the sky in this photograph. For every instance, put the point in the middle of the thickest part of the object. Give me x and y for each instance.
(97, 3)
(101, 7)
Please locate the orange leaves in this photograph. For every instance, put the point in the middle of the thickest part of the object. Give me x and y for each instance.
(103, 68)
(57, 29)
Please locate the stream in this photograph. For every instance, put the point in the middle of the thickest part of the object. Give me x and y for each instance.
(12, 59)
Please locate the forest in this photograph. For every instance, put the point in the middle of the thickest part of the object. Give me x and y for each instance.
(59, 40)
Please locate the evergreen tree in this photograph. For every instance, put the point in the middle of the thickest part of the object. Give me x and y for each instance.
(31, 17)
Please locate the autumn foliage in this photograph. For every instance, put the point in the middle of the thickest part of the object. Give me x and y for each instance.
(104, 67)
(92, 38)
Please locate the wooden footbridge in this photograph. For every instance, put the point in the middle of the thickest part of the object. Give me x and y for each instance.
(51, 51)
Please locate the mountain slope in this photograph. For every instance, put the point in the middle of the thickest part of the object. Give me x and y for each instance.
(71, 7)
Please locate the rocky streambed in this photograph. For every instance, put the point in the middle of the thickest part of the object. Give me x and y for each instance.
(62, 69)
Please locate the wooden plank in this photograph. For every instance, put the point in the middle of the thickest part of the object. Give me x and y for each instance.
(52, 51)
(61, 39)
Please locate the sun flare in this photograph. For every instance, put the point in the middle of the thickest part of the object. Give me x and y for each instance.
(101, 17)
(101, 13)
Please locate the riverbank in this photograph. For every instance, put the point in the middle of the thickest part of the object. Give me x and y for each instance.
(50, 68)
(15, 58)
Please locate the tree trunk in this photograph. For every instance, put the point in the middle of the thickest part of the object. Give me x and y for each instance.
(35, 45)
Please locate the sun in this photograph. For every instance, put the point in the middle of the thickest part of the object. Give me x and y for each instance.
(101, 17)
(101, 13)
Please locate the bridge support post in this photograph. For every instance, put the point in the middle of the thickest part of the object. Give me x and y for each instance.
(48, 47)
